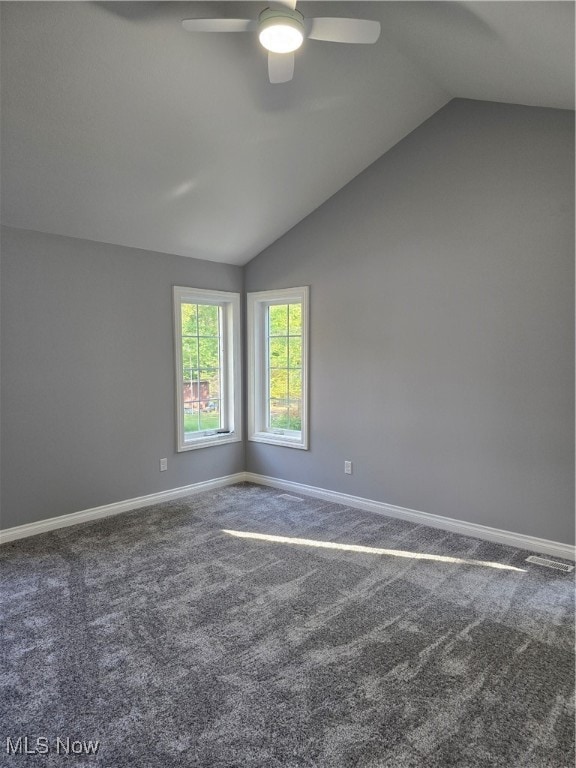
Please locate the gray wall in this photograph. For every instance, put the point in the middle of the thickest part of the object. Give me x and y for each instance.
(442, 340)
(88, 397)
(442, 323)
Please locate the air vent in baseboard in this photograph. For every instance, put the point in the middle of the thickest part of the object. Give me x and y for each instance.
(289, 497)
(549, 563)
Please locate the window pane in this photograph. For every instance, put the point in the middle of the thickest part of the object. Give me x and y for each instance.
(187, 394)
(190, 352)
(209, 353)
(191, 412)
(200, 390)
(278, 320)
(210, 384)
(278, 385)
(278, 414)
(210, 415)
(188, 319)
(295, 384)
(278, 349)
(295, 352)
(208, 320)
(187, 375)
(295, 419)
(192, 375)
(295, 315)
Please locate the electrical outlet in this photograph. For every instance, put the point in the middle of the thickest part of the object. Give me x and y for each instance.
(347, 467)
(163, 465)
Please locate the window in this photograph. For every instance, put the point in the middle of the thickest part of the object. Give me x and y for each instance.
(207, 345)
(278, 369)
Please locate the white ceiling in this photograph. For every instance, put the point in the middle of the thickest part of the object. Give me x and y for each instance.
(119, 126)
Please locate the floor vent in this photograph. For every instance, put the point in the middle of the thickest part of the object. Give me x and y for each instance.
(289, 497)
(549, 563)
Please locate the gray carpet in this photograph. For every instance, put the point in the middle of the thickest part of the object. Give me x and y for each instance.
(174, 643)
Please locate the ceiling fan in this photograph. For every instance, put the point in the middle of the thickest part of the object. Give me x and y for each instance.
(282, 31)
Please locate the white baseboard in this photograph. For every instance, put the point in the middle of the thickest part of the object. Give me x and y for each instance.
(95, 513)
(518, 540)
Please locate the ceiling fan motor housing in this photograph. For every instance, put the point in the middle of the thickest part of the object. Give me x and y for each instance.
(282, 30)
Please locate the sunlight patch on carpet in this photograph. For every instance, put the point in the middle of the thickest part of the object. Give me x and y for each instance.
(369, 550)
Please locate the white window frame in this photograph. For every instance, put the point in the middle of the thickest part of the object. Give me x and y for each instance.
(231, 396)
(257, 303)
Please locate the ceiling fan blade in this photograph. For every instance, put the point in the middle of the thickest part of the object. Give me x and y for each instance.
(280, 67)
(338, 30)
(219, 25)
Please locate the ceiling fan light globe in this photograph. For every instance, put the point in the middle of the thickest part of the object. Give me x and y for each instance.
(281, 35)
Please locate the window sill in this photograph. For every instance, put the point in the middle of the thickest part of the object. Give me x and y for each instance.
(284, 440)
(210, 440)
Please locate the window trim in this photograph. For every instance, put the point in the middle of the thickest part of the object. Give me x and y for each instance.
(256, 305)
(231, 370)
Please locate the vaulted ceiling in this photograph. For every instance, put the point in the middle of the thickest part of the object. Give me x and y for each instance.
(119, 126)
